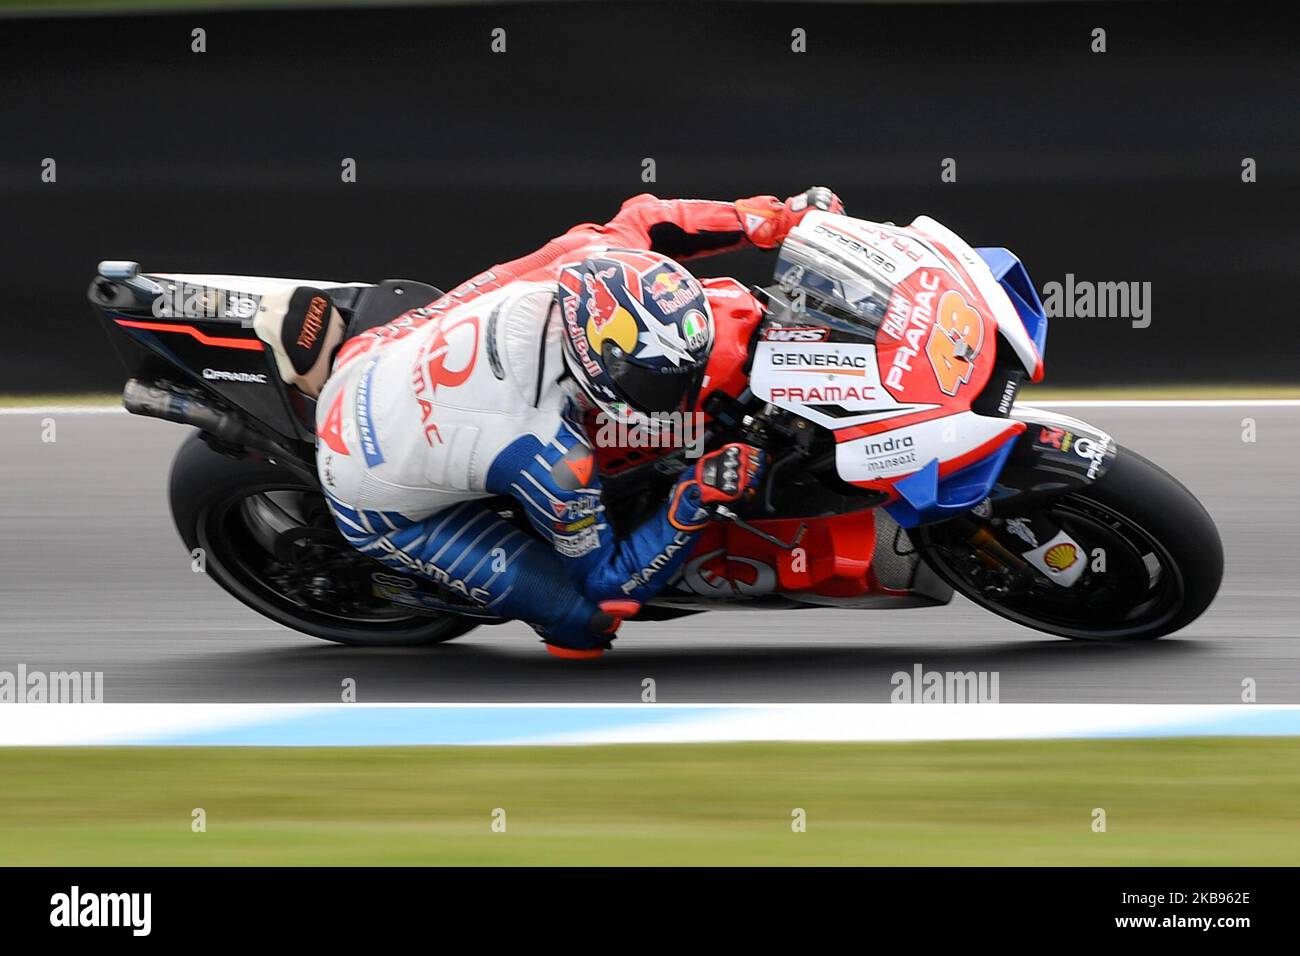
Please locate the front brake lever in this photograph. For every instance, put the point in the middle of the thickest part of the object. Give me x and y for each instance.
(725, 512)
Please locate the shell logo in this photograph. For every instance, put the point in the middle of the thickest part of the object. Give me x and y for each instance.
(1062, 557)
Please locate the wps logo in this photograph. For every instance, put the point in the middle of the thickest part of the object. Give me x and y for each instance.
(795, 334)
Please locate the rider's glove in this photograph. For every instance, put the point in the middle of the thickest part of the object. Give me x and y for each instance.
(728, 474)
(767, 220)
(721, 477)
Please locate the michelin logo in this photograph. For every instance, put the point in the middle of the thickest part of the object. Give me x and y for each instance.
(365, 424)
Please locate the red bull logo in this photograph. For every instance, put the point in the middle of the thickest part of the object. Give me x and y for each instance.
(672, 291)
(620, 328)
(601, 304)
(665, 283)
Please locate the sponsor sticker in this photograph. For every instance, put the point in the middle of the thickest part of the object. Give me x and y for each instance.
(696, 327)
(365, 424)
(576, 545)
(248, 378)
(1061, 557)
(825, 382)
(795, 333)
(929, 322)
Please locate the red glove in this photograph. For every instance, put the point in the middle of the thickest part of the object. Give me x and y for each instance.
(767, 221)
(728, 474)
(721, 477)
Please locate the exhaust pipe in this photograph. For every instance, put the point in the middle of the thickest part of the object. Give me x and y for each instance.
(155, 401)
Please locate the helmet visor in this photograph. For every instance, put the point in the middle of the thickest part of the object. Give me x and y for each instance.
(651, 390)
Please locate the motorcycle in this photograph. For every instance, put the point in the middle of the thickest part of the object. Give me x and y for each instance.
(880, 371)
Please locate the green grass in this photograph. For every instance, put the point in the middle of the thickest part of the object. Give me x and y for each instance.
(1169, 802)
(60, 398)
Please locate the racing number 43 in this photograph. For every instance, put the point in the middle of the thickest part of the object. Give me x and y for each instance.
(955, 340)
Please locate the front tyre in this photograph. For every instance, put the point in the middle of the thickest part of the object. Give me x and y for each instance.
(1162, 559)
(267, 539)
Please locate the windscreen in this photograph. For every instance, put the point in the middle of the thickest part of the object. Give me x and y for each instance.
(827, 277)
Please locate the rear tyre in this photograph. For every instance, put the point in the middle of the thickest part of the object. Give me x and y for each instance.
(1163, 559)
(267, 539)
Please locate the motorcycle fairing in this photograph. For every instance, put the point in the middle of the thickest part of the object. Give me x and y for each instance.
(1053, 454)
(932, 312)
(924, 497)
(848, 271)
(201, 326)
(1027, 336)
(832, 384)
(1011, 275)
(858, 559)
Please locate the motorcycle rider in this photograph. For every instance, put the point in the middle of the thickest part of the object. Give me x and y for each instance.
(482, 393)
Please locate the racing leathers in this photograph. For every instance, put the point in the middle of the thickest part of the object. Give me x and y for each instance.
(467, 399)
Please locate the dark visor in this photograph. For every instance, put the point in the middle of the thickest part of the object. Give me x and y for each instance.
(651, 390)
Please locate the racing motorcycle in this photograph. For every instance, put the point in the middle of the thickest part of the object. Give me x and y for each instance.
(880, 372)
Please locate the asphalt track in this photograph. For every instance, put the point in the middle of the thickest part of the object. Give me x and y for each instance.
(93, 578)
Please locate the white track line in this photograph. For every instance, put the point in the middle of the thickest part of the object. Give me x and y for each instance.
(362, 724)
(63, 410)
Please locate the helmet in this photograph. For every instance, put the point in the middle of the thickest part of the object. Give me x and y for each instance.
(637, 333)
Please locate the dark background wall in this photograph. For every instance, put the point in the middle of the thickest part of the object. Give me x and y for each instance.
(1123, 166)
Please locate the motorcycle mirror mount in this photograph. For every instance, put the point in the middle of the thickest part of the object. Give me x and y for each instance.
(128, 273)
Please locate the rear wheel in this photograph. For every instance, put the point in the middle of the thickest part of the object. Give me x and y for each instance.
(268, 540)
(1155, 560)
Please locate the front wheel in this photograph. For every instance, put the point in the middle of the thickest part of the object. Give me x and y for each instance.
(267, 538)
(1155, 560)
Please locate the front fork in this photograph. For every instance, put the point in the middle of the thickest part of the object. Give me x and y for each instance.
(1054, 455)
(1017, 546)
